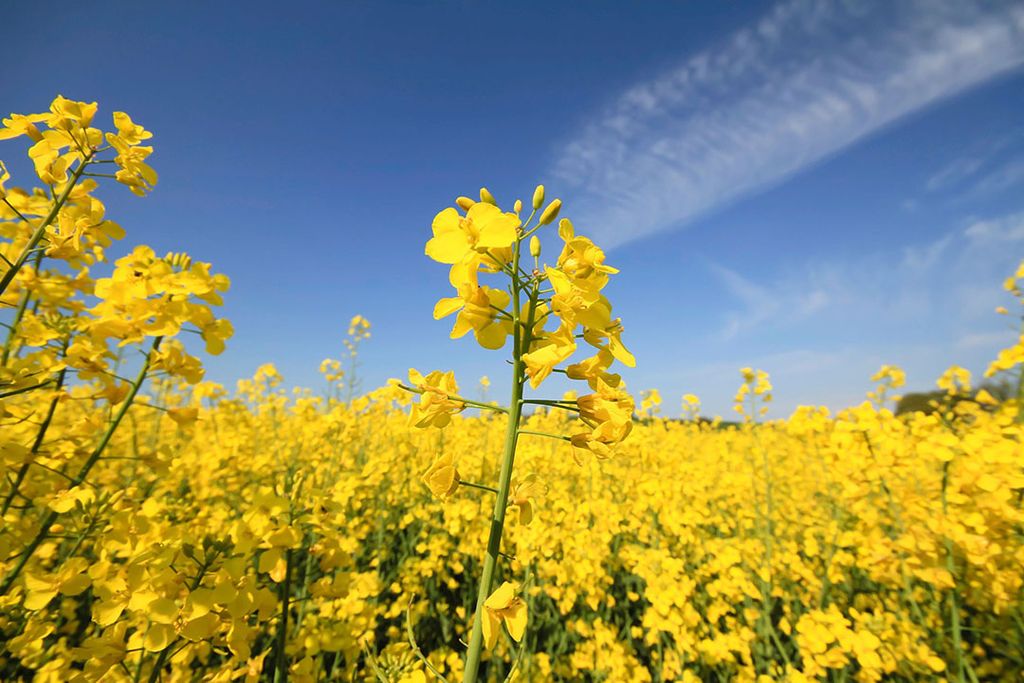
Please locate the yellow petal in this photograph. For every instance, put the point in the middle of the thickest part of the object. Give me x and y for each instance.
(38, 599)
(492, 626)
(525, 512)
(515, 619)
(446, 307)
(622, 354)
(493, 336)
(501, 598)
(446, 221)
(106, 613)
(75, 585)
(158, 637)
(162, 611)
(448, 247)
(201, 628)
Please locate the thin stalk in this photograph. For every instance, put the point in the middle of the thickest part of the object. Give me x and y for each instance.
(460, 399)
(560, 437)
(281, 659)
(954, 608)
(478, 486)
(19, 313)
(51, 516)
(515, 410)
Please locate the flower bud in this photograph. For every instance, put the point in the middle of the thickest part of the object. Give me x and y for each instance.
(535, 247)
(464, 203)
(538, 197)
(551, 212)
(518, 206)
(486, 196)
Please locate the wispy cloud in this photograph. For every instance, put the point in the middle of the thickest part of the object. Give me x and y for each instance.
(1009, 228)
(760, 303)
(808, 79)
(952, 280)
(979, 158)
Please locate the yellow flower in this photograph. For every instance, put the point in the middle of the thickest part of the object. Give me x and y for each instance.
(442, 478)
(522, 496)
(435, 408)
(70, 579)
(553, 348)
(458, 238)
(504, 606)
(478, 310)
(19, 124)
(184, 417)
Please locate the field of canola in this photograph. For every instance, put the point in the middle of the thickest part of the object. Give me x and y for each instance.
(158, 527)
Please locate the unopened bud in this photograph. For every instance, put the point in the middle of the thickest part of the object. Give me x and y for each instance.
(535, 247)
(538, 197)
(464, 203)
(551, 212)
(486, 196)
(518, 206)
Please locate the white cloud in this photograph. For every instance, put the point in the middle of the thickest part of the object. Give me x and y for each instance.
(781, 303)
(986, 340)
(951, 280)
(1008, 228)
(1009, 175)
(980, 160)
(808, 79)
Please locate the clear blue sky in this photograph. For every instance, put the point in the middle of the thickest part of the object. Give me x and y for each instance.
(799, 186)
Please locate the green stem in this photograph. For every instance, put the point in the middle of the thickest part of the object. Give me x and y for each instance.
(954, 608)
(19, 313)
(51, 516)
(478, 486)
(560, 437)
(281, 665)
(460, 399)
(515, 410)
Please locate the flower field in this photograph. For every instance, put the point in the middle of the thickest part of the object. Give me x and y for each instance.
(160, 527)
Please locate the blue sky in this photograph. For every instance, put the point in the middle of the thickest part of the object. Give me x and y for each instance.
(814, 188)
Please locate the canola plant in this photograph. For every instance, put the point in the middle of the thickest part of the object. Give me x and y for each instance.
(159, 527)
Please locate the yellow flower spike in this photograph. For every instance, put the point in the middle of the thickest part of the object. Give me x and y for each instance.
(442, 477)
(486, 196)
(538, 197)
(464, 203)
(517, 206)
(551, 212)
(504, 606)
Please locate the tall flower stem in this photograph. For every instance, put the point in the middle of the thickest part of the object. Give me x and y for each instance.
(515, 409)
